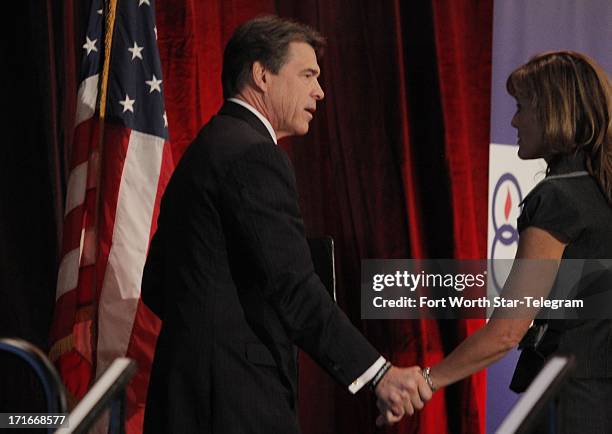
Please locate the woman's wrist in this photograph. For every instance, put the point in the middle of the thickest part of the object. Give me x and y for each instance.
(428, 378)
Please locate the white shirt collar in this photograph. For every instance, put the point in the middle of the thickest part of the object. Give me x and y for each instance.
(261, 117)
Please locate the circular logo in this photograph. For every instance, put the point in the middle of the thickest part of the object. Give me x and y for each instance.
(504, 211)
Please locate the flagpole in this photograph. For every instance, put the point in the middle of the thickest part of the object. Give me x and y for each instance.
(108, 43)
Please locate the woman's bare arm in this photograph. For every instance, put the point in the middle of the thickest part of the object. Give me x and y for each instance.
(533, 273)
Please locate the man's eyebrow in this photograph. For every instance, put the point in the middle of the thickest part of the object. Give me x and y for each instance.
(312, 71)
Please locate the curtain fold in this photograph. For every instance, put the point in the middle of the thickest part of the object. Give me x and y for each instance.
(463, 36)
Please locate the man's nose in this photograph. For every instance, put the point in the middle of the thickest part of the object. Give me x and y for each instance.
(318, 92)
(514, 120)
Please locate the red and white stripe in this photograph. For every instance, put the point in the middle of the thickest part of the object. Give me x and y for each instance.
(135, 170)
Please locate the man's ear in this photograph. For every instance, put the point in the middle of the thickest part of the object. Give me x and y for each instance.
(259, 75)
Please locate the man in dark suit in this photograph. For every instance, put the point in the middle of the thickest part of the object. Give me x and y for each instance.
(229, 270)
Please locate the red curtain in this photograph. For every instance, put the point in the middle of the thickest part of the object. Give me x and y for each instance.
(395, 164)
(463, 35)
(191, 38)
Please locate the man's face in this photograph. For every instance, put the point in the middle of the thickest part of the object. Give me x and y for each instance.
(292, 95)
(529, 131)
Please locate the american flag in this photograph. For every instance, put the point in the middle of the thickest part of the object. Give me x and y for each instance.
(119, 168)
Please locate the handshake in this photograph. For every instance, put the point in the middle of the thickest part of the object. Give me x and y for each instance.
(400, 391)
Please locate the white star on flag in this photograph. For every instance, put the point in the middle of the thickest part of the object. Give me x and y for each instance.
(99, 11)
(128, 104)
(165, 120)
(154, 83)
(136, 51)
(90, 45)
(155, 30)
(144, 2)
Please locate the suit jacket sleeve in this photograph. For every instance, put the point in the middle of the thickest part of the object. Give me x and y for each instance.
(262, 200)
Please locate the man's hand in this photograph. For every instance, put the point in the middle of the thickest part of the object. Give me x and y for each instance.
(401, 390)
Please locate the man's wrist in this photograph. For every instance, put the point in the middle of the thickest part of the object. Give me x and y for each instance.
(380, 374)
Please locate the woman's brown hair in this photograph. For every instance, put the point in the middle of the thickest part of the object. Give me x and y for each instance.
(573, 100)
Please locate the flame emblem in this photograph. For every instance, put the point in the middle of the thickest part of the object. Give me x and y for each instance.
(508, 204)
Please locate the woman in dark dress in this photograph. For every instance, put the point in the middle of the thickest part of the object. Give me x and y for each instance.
(564, 104)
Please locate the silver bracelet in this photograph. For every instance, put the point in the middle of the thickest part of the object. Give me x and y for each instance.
(427, 378)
